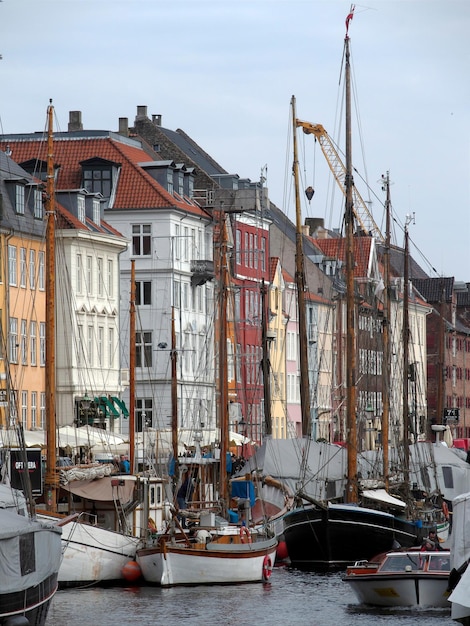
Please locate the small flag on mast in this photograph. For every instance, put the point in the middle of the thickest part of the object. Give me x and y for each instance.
(349, 17)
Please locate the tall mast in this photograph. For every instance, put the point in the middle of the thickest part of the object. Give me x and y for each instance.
(406, 358)
(223, 382)
(300, 282)
(174, 395)
(51, 479)
(386, 337)
(132, 345)
(351, 434)
(266, 364)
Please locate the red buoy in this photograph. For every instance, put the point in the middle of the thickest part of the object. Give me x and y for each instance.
(281, 551)
(131, 571)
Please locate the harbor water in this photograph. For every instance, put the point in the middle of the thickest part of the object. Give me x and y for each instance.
(291, 597)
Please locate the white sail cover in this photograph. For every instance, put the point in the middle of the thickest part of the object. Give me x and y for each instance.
(460, 553)
(30, 551)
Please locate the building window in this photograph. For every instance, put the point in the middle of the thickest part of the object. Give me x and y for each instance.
(143, 292)
(89, 274)
(176, 294)
(98, 181)
(96, 211)
(43, 410)
(263, 254)
(13, 340)
(32, 269)
(12, 265)
(143, 413)
(141, 239)
(99, 263)
(42, 343)
(100, 345)
(111, 348)
(143, 349)
(169, 180)
(38, 208)
(41, 262)
(22, 267)
(24, 342)
(33, 343)
(110, 278)
(79, 273)
(34, 408)
(24, 409)
(177, 242)
(81, 209)
(90, 346)
(19, 199)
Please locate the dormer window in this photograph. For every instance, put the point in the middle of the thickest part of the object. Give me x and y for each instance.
(38, 206)
(19, 199)
(81, 209)
(96, 211)
(99, 176)
(169, 181)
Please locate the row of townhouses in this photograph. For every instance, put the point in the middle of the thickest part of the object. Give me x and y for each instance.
(151, 197)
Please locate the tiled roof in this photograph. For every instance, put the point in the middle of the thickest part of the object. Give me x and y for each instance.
(335, 249)
(433, 289)
(135, 189)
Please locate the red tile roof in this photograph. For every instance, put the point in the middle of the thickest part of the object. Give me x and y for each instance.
(335, 249)
(135, 189)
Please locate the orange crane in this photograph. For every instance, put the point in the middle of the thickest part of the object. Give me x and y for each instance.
(362, 213)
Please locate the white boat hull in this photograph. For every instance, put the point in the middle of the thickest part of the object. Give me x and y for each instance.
(178, 565)
(93, 555)
(403, 592)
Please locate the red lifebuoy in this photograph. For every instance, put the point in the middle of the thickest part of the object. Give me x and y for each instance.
(245, 536)
(267, 568)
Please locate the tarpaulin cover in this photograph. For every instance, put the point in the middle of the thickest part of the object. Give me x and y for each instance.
(244, 489)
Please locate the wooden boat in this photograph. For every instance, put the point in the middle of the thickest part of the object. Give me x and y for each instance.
(215, 551)
(413, 578)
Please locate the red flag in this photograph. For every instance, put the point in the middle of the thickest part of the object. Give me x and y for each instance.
(350, 16)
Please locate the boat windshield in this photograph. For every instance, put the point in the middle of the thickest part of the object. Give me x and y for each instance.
(439, 563)
(401, 563)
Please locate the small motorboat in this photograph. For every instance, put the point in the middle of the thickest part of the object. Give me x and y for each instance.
(412, 577)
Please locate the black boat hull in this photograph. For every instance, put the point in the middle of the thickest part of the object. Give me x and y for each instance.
(339, 535)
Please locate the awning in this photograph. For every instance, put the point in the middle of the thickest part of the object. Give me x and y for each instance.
(107, 405)
(380, 495)
(108, 489)
(121, 405)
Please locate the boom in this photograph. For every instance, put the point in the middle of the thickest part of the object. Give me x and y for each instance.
(361, 212)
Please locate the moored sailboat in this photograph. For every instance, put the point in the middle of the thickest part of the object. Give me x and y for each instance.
(213, 550)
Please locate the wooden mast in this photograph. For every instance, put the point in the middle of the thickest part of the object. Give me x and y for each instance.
(351, 427)
(174, 397)
(132, 346)
(300, 283)
(51, 479)
(223, 368)
(266, 365)
(386, 339)
(406, 359)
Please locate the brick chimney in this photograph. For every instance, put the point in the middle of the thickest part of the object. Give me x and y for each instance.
(75, 121)
(157, 119)
(141, 113)
(123, 126)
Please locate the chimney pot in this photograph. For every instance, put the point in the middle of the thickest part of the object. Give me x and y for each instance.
(124, 126)
(141, 112)
(157, 119)
(75, 121)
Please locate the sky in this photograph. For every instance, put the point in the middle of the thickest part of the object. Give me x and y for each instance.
(224, 71)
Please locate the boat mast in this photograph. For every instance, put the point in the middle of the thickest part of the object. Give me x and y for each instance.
(386, 337)
(300, 282)
(351, 434)
(223, 367)
(266, 365)
(174, 398)
(132, 370)
(406, 358)
(51, 479)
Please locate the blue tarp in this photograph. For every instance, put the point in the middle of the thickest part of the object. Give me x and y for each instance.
(244, 489)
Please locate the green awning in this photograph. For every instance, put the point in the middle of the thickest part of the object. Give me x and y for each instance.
(121, 405)
(109, 409)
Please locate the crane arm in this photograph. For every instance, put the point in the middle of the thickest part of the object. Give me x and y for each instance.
(362, 213)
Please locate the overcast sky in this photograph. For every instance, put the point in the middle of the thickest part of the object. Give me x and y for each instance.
(224, 71)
